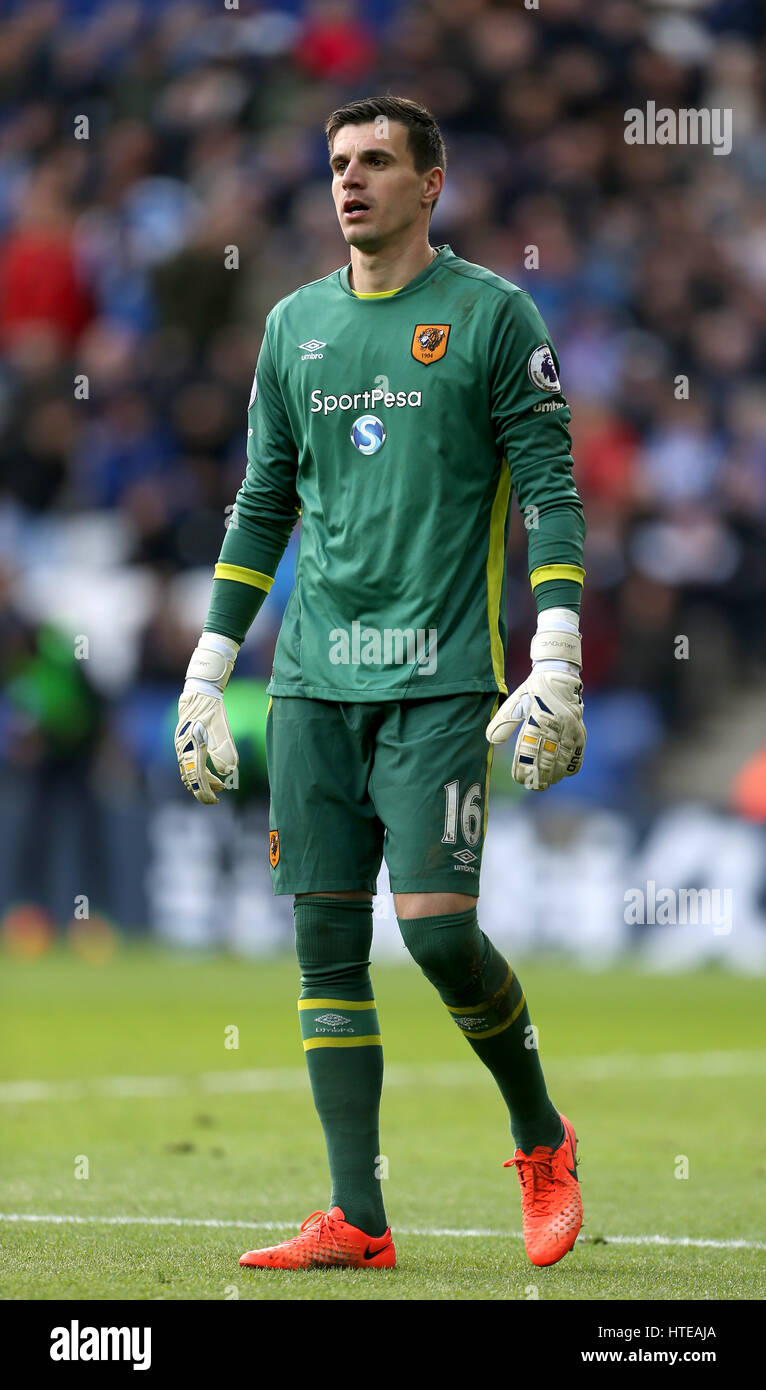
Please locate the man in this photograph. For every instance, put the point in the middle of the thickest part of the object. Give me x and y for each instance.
(396, 402)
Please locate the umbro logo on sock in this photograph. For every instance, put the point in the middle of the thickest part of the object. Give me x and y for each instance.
(333, 1023)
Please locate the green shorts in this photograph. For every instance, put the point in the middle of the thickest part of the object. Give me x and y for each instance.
(352, 782)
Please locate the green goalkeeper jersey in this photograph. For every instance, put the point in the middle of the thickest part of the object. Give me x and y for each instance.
(396, 426)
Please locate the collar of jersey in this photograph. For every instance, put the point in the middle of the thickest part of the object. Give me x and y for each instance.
(378, 294)
(441, 253)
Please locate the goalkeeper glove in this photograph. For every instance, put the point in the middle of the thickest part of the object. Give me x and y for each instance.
(203, 729)
(548, 706)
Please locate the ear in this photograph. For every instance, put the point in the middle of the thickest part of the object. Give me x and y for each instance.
(433, 183)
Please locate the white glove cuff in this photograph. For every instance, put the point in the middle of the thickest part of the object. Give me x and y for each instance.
(202, 688)
(213, 642)
(558, 620)
(557, 641)
(212, 662)
(547, 665)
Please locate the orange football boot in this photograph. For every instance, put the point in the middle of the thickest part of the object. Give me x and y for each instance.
(326, 1238)
(551, 1205)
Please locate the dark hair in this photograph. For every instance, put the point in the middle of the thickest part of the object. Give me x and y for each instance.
(424, 138)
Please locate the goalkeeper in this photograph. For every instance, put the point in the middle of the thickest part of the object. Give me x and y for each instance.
(396, 404)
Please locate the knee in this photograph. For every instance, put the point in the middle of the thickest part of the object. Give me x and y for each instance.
(451, 949)
(332, 929)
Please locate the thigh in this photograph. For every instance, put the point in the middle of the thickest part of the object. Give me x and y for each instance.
(429, 785)
(324, 832)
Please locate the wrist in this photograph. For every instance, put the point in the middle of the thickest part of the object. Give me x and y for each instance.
(550, 664)
(556, 645)
(211, 664)
(193, 685)
(558, 620)
(215, 642)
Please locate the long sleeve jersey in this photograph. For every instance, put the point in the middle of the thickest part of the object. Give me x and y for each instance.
(397, 426)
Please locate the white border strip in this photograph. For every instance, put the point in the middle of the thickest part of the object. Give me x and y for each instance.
(54, 1219)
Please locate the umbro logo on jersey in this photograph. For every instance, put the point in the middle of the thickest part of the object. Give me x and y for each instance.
(311, 349)
(465, 856)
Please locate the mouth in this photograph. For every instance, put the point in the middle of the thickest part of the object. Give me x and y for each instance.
(354, 209)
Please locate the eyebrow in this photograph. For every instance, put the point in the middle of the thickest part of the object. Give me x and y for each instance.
(374, 150)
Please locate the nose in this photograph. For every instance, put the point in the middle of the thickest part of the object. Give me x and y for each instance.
(352, 175)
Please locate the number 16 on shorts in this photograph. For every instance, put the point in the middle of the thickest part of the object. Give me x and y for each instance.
(463, 818)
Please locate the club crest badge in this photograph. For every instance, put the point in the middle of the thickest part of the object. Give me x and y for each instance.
(273, 848)
(429, 342)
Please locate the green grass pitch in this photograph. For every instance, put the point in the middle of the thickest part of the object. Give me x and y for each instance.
(178, 1128)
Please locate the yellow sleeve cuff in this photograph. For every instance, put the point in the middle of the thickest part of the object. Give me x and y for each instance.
(241, 575)
(545, 572)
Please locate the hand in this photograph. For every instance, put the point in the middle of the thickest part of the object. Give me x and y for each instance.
(548, 706)
(203, 729)
(551, 742)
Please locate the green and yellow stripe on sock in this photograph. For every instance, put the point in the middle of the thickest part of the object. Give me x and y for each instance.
(495, 1014)
(339, 1023)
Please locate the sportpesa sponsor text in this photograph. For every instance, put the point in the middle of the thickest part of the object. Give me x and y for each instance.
(366, 399)
(326, 404)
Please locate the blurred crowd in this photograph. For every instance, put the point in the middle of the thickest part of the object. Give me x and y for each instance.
(164, 181)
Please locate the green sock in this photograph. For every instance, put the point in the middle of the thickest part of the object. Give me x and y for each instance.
(344, 1053)
(487, 1003)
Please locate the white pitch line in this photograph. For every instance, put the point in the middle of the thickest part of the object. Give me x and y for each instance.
(699, 1244)
(54, 1219)
(634, 1066)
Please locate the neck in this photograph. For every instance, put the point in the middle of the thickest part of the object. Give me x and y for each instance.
(390, 268)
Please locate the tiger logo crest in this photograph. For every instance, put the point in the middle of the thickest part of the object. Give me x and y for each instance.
(429, 342)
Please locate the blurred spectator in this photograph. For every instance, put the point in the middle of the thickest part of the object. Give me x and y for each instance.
(142, 260)
(51, 721)
(40, 286)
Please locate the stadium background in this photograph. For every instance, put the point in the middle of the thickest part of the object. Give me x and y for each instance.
(127, 348)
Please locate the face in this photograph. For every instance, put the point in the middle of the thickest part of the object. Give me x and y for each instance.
(375, 187)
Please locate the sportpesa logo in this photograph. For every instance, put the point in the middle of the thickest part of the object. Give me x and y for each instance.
(368, 434)
(364, 400)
